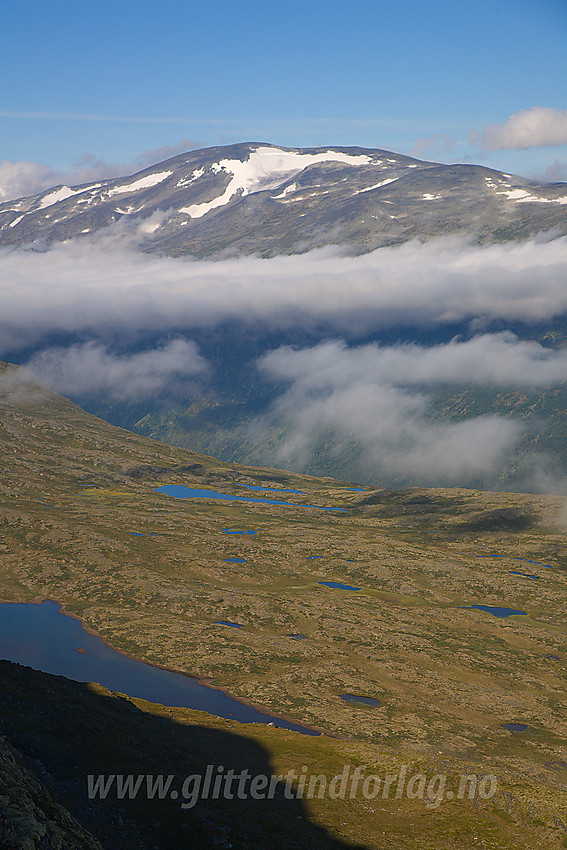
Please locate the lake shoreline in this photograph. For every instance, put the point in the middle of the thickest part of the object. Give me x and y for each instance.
(201, 680)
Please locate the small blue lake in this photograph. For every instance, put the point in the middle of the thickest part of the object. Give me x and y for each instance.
(337, 585)
(40, 636)
(298, 637)
(179, 491)
(512, 558)
(312, 557)
(361, 700)
(523, 575)
(495, 610)
(538, 563)
(230, 531)
(228, 623)
(236, 560)
(515, 727)
(557, 765)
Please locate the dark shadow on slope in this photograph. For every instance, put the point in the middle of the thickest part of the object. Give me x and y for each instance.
(501, 519)
(64, 731)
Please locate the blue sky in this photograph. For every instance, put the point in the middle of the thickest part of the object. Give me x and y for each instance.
(112, 79)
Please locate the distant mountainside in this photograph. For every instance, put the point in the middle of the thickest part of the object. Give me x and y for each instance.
(256, 198)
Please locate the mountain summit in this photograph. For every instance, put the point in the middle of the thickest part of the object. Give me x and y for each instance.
(267, 200)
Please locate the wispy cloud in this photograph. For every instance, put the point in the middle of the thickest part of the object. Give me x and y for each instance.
(91, 368)
(554, 173)
(497, 359)
(340, 398)
(19, 386)
(120, 119)
(373, 404)
(19, 179)
(539, 126)
(440, 146)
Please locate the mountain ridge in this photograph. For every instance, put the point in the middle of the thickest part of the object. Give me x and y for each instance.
(258, 198)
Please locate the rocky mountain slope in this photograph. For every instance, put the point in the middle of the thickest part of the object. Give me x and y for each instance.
(256, 198)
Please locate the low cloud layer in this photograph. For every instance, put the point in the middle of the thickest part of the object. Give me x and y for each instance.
(375, 398)
(92, 369)
(554, 173)
(19, 386)
(105, 287)
(342, 406)
(499, 359)
(367, 397)
(539, 126)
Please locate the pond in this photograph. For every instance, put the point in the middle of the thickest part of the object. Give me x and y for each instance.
(538, 563)
(515, 727)
(230, 531)
(512, 558)
(228, 623)
(496, 610)
(40, 636)
(354, 698)
(557, 765)
(523, 575)
(337, 585)
(179, 491)
(235, 560)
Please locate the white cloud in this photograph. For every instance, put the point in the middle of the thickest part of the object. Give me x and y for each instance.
(439, 146)
(19, 386)
(554, 173)
(90, 368)
(162, 152)
(20, 179)
(374, 396)
(342, 397)
(528, 128)
(106, 286)
(499, 359)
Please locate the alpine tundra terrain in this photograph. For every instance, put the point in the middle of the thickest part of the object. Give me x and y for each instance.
(256, 198)
(439, 613)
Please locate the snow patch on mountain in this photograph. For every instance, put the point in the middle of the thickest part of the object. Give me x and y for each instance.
(60, 194)
(186, 181)
(284, 192)
(521, 196)
(533, 199)
(266, 168)
(143, 183)
(377, 185)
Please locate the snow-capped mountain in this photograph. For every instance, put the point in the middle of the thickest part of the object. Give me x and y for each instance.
(259, 198)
